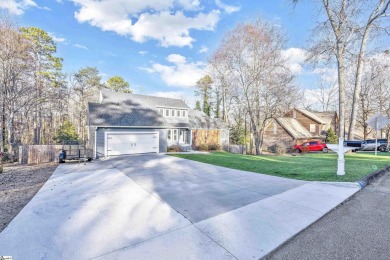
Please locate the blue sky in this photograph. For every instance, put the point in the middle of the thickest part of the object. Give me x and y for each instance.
(159, 46)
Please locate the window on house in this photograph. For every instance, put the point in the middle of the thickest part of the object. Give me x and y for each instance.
(312, 128)
(166, 112)
(174, 134)
(178, 113)
(275, 130)
(172, 112)
(169, 136)
(161, 111)
(183, 113)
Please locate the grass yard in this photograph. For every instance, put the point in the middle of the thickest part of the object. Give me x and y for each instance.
(311, 167)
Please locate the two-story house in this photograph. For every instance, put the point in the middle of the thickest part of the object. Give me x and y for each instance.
(122, 123)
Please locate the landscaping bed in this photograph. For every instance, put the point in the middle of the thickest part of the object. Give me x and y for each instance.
(18, 184)
(311, 167)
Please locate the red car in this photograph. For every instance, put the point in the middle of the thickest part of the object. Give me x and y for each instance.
(311, 146)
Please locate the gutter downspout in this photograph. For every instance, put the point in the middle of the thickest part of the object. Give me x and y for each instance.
(95, 152)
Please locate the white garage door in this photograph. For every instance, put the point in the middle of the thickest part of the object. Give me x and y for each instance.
(131, 143)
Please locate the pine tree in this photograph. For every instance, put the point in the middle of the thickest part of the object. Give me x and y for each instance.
(67, 132)
(203, 89)
(118, 84)
(331, 137)
(197, 106)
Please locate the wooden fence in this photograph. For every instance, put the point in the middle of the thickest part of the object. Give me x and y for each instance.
(241, 149)
(36, 154)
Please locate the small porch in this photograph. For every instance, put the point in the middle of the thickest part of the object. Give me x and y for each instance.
(179, 136)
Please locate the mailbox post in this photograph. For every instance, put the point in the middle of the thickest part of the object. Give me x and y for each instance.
(340, 149)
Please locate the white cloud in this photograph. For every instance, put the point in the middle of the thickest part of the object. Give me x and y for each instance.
(148, 19)
(80, 46)
(57, 38)
(296, 58)
(182, 73)
(328, 75)
(190, 4)
(227, 8)
(142, 53)
(17, 7)
(203, 49)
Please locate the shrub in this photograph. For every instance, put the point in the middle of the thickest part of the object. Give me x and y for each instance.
(5, 157)
(331, 137)
(1, 161)
(278, 148)
(202, 147)
(174, 148)
(214, 147)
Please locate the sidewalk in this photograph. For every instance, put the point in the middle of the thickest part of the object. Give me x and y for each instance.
(358, 229)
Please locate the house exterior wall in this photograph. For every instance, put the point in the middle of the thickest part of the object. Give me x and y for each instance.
(206, 136)
(280, 136)
(100, 135)
(305, 121)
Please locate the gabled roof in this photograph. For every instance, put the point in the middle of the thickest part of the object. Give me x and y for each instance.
(123, 109)
(199, 120)
(312, 115)
(109, 96)
(294, 128)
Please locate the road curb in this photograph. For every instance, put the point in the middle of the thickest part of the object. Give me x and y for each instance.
(363, 182)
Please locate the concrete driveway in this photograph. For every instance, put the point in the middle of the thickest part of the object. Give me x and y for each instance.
(162, 207)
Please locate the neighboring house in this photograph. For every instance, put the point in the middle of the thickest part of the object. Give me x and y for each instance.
(130, 124)
(299, 126)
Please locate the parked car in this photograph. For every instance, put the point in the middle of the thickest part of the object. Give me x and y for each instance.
(369, 145)
(311, 146)
(354, 143)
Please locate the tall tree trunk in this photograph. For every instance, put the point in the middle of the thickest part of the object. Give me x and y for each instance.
(341, 81)
(11, 135)
(358, 85)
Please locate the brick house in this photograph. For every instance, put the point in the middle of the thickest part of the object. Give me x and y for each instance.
(298, 126)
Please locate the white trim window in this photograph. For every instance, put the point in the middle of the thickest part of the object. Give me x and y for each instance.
(169, 135)
(183, 113)
(166, 113)
(312, 128)
(177, 113)
(172, 112)
(174, 134)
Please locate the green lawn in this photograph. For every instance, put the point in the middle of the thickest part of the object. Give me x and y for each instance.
(312, 167)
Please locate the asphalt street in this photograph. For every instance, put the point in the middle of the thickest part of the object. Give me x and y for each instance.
(357, 229)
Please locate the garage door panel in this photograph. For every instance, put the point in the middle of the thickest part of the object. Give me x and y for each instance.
(132, 143)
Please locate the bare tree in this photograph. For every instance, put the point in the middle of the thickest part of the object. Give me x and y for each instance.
(379, 11)
(345, 34)
(263, 82)
(326, 95)
(15, 78)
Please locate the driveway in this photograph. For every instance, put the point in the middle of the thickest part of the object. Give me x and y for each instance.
(162, 207)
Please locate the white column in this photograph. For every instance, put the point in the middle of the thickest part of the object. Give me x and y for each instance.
(341, 160)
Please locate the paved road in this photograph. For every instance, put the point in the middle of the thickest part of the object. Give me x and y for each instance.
(358, 229)
(162, 207)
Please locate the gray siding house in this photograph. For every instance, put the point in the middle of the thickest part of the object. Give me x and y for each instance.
(122, 123)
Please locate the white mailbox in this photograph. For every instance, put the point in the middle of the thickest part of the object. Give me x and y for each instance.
(340, 149)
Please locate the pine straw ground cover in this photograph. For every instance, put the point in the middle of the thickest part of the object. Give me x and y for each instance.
(18, 184)
(311, 167)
